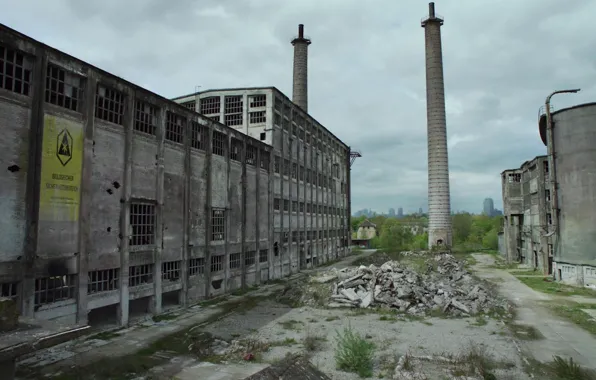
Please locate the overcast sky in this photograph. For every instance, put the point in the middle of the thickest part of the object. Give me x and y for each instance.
(366, 72)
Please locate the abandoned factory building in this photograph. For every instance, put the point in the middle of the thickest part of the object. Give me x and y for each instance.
(118, 202)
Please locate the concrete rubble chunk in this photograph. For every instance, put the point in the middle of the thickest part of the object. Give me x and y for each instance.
(350, 294)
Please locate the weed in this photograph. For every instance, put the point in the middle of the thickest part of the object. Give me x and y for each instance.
(291, 324)
(546, 285)
(569, 370)
(105, 335)
(387, 318)
(285, 342)
(312, 342)
(575, 314)
(164, 317)
(476, 361)
(354, 353)
(480, 321)
(332, 318)
(407, 364)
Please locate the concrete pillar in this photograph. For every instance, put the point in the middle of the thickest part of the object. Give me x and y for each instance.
(439, 208)
(300, 85)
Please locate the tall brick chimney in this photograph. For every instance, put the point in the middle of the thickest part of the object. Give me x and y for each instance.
(439, 202)
(300, 85)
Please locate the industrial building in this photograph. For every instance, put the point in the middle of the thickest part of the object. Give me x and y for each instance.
(119, 203)
(527, 216)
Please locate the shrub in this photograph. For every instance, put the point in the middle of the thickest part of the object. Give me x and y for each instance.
(354, 353)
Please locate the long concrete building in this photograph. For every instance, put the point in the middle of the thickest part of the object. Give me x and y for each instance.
(119, 202)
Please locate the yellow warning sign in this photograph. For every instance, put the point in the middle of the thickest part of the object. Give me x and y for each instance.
(61, 166)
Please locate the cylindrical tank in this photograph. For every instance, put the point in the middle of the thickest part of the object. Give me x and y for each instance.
(574, 137)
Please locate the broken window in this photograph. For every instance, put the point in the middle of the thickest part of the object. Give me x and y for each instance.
(547, 195)
(217, 263)
(15, 71)
(235, 149)
(545, 167)
(54, 289)
(308, 205)
(109, 104)
(250, 258)
(276, 163)
(62, 88)
(142, 223)
(9, 290)
(258, 117)
(263, 256)
(235, 260)
(210, 105)
(276, 204)
(217, 224)
(145, 118)
(191, 105)
(174, 127)
(286, 205)
(264, 159)
(251, 155)
(196, 266)
(140, 274)
(286, 125)
(549, 219)
(170, 271)
(218, 143)
(103, 280)
(200, 136)
(256, 101)
(514, 177)
(233, 110)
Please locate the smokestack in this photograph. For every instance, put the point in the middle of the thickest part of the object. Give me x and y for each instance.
(439, 202)
(300, 85)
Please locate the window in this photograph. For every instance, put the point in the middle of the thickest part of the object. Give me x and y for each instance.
(294, 236)
(258, 117)
(294, 206)
(200, 135)
(233, 110)
(256, 101)
(174, 128)
(545, 167)
(145, 118)
(276, 204)
(62, 88)
(170, 271)
(514, 177)
(251, 155)
(286, 125)
(278, 103)
(15, 71)
(301, 206)
(191, 105)
(235, 119)
(549, 219)
(216, 263)
(218, 143)
(276, 163)
(140, 274)
(547, 195)
(142, 224)
(301, 173)
(294, 171)
(286, 205)
(235, 260)
(308, 208)
(109, 105)
(263, 136)
(277, 119)
(286, 167)
(103, 280)
(263, 256)
(9, 290)
(235, 149)
(250, 258)
(54, 289)
(196, 266)
(217, 224)
(265, 158)
(210, 105)
(308, 175)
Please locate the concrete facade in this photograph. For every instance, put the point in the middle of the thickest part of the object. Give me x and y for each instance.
(119, 202)
(527, 218)
(311, 170)
(574, 139)
(439, 206)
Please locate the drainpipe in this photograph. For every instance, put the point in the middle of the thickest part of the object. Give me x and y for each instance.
(552, 169)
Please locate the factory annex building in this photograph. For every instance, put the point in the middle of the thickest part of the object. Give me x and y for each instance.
(118, 202)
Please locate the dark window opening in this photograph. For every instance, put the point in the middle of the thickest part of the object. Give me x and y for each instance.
(109, 105)
(250, 258)
(219, 143)
(216, 263)
(170, 271)
(200, 135)
(235, 260)
(191, 105)
(210, 105)
(142, 224)
(62, 88)
(140, 274)
(196, 266)
(251, 155)
(145, 118)
(263, 256)
(103, 280)
(174, 128)
(15, 71)
(235, 149)
(53, 289)
(217, 224)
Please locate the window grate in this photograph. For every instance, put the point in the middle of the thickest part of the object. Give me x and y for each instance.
(233, 104)
(210, 105)
(200, 135)
(216, 263)
(174, 128)
(109, 105)
(145, 118)
(251, 155)
(53, 289)
(191, 105)
(142, 223)
(15, 71)
(263, 256)
(196, 266)
(218, 143)
(235, 149)
(140, 274)
(258, 117)
(234, 119)
(256, 101)
(250, 258)
(217, 224)
(103, 280)
(62, 88)
(235, 260)
(9, 290)
(170, 270)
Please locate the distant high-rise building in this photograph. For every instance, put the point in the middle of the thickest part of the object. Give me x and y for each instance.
(392, 212)
(420, 211)
(489, 207)
(400, 212)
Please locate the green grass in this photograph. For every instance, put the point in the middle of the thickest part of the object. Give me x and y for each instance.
(164, 317)
(480, 321)
(543, 284)
(332, 318)
(106, 335)
(354, 353)
(561, 369)
(525, 332)
(573, 312)
(291, 325)
(526, 273)
(286, 342)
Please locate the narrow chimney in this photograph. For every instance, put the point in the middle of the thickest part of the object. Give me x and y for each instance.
(439, 200)
(300, 81)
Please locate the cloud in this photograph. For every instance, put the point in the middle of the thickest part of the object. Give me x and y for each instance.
(366, 72)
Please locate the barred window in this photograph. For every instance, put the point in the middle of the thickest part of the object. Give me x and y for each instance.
(109, 104)
(145, 117)
(263, 256)
(257, 117)
(15, 71)
(250, 258)
(276, 164)
(235, 260)
(218, 224)
(200, 136)
(196, 266)
(256, 101)
(276, 204)
(191, 105)
(210, 105)
(235, 149)
(103, 280)
(265, 160)
(140, 274)
(174, 127)
(216, 263)
(170, 270)
(219, 143)
(63, 88)
(251, 155)
(233, 110)
(231, 120)
(142, 223)
(55, 288)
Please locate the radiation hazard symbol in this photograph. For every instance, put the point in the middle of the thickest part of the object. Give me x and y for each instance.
(64, 147)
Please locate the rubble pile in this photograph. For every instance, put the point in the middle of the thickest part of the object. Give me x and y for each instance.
(444, 284)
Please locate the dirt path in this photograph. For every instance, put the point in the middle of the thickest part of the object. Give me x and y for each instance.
(562, 337)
